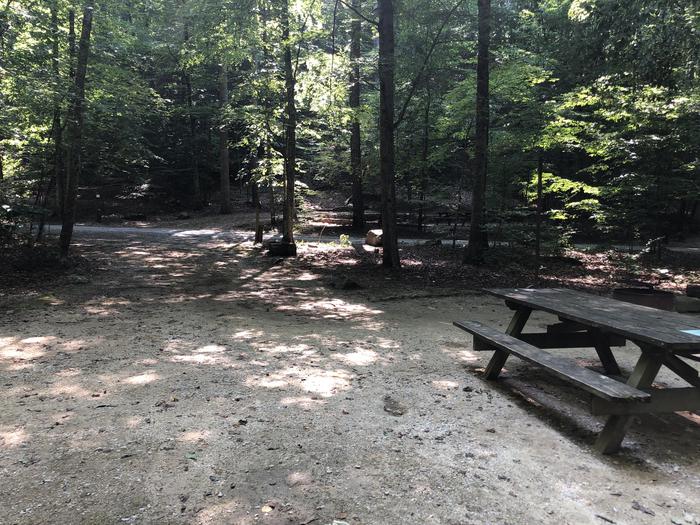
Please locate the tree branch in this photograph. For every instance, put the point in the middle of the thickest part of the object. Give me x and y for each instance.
(360, 14)
(424, 65)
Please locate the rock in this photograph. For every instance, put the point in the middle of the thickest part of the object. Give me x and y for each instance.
(641, 508)
(375, 238)
(393, 407)
(691, 519)
(296, 479)
(693, 290)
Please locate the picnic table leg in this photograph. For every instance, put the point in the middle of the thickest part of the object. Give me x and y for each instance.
(602, 347)
(515, 328)
(648, 366)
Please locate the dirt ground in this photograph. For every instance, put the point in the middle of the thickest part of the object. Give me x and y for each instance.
(189, 381)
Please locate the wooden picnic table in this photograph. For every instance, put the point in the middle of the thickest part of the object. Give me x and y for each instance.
(665, 339)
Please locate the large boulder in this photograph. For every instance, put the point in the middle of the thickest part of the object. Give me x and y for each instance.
(375, 238)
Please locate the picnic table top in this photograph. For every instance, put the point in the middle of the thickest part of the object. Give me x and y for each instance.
(670, 331)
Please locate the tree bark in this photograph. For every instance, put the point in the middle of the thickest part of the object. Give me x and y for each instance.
(192, 128)
(75, 135)
(290, 131)
(387, 160)
(56, 128)
(358, 205)
(224, 157)
(538, 224)
(425, 150)
(60, 169)
(192, 145)
(474, 252)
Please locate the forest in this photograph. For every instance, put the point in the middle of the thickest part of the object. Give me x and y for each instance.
(346, 262)
(587, 127)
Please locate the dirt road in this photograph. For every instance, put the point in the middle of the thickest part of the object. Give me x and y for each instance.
(190, 381)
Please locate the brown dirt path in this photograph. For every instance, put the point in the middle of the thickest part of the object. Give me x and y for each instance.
(193, 382)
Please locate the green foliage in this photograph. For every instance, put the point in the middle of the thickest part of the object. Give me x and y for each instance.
(605, 91)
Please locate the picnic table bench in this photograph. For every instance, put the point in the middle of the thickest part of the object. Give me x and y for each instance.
(665, 339)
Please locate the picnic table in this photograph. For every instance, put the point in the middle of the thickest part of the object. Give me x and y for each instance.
(666, 339)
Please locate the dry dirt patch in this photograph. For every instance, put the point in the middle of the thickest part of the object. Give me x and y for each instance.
(196, 382)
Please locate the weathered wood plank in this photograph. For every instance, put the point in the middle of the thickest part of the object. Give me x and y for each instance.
(637, 323)
(561, 367)
(662, 401)
(566, 340)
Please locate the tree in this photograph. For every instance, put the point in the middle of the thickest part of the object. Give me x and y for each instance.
(290, 129)
(477, 235)
(387, 156)
(75, 135)
(224, 155)
(358, 204)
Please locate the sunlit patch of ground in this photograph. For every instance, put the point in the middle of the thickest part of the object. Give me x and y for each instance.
(195, 380)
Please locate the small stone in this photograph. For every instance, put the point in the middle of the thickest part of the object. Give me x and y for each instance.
(393, 407)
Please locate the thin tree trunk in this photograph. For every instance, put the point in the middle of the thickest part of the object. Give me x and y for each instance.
(358, 205)
(477, 236)
(290, 131)
(224, 157)
(387, 160)
(4, 26)
(270, 178)
(538, 225)
(423, 184)
(192, 138)
(75, 135)
(56, 129)
(61, 166)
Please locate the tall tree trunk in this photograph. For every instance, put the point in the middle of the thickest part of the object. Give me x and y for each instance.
(387, 160)
(192, 145)
(75, 135)
(56, 160)
(60, 152)
(477, 236)
(423, 183)
(290, 131)
(358, 204)
(540, 207)
(224, 157)
(192, 129)
(255, 192)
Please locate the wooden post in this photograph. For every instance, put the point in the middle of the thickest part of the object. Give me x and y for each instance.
(515, 328)
(613, 433)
